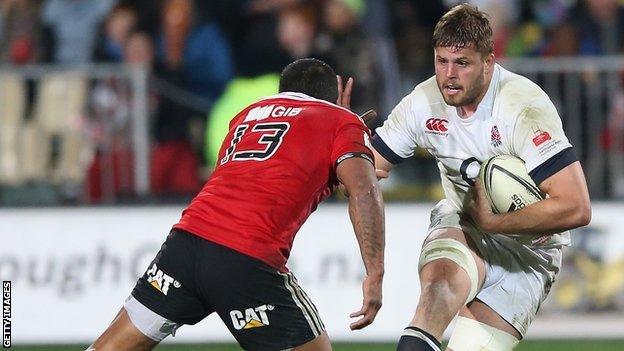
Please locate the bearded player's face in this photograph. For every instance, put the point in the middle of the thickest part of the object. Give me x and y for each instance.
(460, 74)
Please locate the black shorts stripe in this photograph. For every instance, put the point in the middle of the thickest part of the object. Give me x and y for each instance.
(298, 302)
(306, 302)
(310, 311)
(310, 303)
(316, 314)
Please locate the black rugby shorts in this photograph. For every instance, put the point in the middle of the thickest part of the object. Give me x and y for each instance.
(264, 309)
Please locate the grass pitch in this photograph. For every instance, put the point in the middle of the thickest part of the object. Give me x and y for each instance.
(529, 345)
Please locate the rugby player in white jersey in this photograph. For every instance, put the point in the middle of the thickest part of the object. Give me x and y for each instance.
(493, 269)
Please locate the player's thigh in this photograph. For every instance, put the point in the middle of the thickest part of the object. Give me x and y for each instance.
(483, 313)
(459, 236)
(446, 223)
(517, 282)
(166, 296)
(122, 335)
(264, 309)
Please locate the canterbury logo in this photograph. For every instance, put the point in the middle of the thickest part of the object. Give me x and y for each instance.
(436, 125)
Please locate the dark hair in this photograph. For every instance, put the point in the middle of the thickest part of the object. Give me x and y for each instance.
(462, 26)
(312, 77)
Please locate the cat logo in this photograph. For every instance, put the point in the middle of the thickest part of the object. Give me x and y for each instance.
(251, 317)
(159, 280)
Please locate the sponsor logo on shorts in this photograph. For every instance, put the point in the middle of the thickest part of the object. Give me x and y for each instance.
(250, 318)
(436, 126)
(161, 281)
(169, 328)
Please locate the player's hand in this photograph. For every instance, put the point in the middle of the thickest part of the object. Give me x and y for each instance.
(480, 209)
(344, 93)
(371, 287)
(381, 174)
(344, 99)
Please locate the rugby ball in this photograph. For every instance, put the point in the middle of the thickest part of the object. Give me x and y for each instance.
(507, 184)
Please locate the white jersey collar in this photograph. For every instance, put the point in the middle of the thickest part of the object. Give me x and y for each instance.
(484, 108)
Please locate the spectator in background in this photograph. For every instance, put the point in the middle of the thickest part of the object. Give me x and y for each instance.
(20, 32)
(148, 15)
(194, 56)
(412, 28)
(601, 27)
(350, 51)
(114, 33)
(111, 171)
(562, 41)
(21, 36)
(612, 140)
(195, 51)
(503, 18)
(297, 31)
(250, 26)
(73, 25)
(174, 163)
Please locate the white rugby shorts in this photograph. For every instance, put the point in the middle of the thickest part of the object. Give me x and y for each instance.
(518, 277)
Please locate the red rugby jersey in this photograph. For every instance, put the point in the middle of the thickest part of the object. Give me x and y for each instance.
(275, 165)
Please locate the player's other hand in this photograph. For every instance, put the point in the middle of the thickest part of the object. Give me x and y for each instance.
(344, 93)
(480, 209)
(371, 287)
(381, 174)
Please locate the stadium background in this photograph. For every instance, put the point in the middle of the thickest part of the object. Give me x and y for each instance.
(111, 112)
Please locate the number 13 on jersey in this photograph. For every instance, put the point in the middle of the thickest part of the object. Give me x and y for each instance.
(272, 137)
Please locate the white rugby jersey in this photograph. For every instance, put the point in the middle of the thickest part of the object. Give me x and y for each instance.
(515, 117)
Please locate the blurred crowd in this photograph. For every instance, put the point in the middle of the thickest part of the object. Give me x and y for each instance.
(208, 59)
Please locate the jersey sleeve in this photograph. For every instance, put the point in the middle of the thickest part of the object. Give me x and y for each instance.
(538, 139)
(352, 140)
(395, 140)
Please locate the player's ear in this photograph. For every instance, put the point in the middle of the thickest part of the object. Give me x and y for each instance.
(489, 62)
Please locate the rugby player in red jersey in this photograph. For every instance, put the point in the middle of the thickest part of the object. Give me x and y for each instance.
(283, 155)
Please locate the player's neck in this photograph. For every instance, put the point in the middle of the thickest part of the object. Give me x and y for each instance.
(466, 111)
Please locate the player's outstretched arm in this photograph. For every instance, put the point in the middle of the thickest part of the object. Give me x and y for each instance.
(566, 207)
(367, 216)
